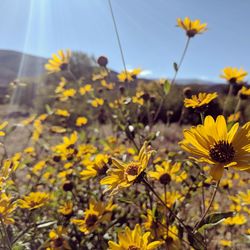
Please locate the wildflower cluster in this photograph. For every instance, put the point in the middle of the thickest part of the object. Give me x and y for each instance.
(94, 174)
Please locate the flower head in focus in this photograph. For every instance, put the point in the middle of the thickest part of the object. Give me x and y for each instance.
(34, 200)
(59, 62)
(122, 175)
(192, 28)
(200, 100)
(214, 144)
(133, 240)
(233, 75)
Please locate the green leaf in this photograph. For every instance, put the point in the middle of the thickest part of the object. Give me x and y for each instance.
(125, 201)
(167, 87)
(48, 109)
(175, 66)
(196, 241)
(46, 224)
(213, 219)
(216, 217)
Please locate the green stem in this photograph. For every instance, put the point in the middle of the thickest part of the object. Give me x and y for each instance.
(230, 91)
(202, 117)
(71, 74)
(209, 206)
(174, 78)
(181, 60)
(6, 236)
(118, 37)
(237, 108)
(164, 204)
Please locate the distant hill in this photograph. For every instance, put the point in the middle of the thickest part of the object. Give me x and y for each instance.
(15, 64)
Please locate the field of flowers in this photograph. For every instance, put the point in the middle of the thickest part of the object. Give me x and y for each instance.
(92, 173)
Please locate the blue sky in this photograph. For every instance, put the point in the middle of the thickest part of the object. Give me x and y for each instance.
(147, 28)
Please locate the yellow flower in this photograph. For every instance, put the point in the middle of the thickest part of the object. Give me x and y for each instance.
(38, 126)
(99, 76)
(38, 167)
(200, 100)
(58, 239)
(64, 96)
(58, 62)
(34, 200)
(62, 112)
(9, 166)
(28, 120)
(58, 129)
(66, 208)
(87, 88)
(80, 121)
(191, 27)
(67, 148)
(106, 85)
(6, 208)
(226, 243)
(166, 172)
(97, 167)
(245, 91)
(234, 75)
(30, 150)
(2, 126)
(85, 149)
(129, 75)
(233, 118)
(61, 85)
(98, 212)
(38, 129)
(238, 219)
(138, 98)
(152, 223)
(212, 143)
(133, 240)
(122, 175)
(245, 197)
(97, 102)
(172, 198)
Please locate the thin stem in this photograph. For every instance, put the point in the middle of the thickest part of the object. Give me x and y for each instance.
(169, 209)
(237, 108)
(165, 199)
(6, 236)
(71, 74)
(181, 61)
(117, 36)
(174, 78)
(164, 204)
(230, 91)
(202, 117)
(203, 198)
(172, 232)
(209, 206)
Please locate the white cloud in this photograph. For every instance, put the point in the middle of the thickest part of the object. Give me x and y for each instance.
(146, 73)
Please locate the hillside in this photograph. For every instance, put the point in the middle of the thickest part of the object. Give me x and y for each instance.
(14, 64)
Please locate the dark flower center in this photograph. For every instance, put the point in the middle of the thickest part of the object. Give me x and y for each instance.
(191, 33)
(102, 170)
(91, 220)
(64, 66)
(132, 170)
(58, 242)
(222, 152)
(165, 179)
(233, 80)
(133, 248)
